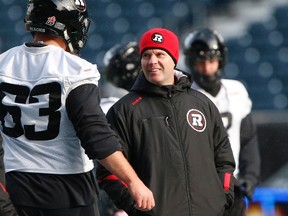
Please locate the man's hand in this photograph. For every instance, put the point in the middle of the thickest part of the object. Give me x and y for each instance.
(143, 197)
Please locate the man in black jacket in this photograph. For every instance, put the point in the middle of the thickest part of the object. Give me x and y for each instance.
(173, 136)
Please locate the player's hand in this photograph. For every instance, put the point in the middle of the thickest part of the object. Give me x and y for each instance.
(247, 186)
(144, 199)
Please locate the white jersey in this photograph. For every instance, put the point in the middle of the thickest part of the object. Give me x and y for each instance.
(37, 133)
(107, 103)
(111, 94)
(234, 105)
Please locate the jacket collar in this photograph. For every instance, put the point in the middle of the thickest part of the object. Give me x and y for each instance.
(183, 82)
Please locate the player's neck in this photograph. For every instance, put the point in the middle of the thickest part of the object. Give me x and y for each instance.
(50, 40)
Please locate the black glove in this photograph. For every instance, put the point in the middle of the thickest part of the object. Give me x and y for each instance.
(247, 186)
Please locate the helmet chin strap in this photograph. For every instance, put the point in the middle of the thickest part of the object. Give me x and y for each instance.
(210, 84)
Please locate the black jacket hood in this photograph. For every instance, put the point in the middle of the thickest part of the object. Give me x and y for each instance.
(183, 82)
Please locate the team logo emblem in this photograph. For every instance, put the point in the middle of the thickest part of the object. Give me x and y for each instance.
(51, 21)
(196, 120)
(157, 38)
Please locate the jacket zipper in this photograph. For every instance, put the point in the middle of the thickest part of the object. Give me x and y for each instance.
(182, 152)
(166, 121)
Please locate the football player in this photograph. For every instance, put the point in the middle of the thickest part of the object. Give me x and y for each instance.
(52, 124)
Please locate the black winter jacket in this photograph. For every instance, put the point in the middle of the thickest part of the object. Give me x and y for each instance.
(174, 138)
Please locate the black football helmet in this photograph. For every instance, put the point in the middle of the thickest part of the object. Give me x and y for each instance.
(204, 44)
(66, 18)
(122, 64)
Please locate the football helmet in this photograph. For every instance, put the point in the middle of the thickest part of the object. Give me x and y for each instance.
(66, 18)
(122, 64)
(205, 44)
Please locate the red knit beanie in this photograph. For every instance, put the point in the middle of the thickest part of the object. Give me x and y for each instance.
(160, 38)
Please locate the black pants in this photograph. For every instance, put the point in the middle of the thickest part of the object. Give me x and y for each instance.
(239, 205)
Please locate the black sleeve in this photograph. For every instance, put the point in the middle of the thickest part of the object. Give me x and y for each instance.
(114, 187)
(83, 109)
(249, 158)
(224, 160)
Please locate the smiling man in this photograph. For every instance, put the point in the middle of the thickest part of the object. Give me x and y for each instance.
(173, 137)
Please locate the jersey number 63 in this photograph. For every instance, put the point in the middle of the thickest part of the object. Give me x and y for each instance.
(22, 108)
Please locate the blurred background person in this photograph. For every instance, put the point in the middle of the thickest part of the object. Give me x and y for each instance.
(121, 67)
(205, 56)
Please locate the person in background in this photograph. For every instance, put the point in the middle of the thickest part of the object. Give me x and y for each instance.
(173, 136)
(122, 66)
(205, 56)
(52, 124)
(6, 206)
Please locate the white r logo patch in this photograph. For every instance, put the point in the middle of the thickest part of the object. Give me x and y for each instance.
(196, 120)
(157, 38)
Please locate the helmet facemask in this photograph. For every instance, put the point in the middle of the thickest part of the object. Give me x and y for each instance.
(76, 34)
(203, 45)
(210, 83)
